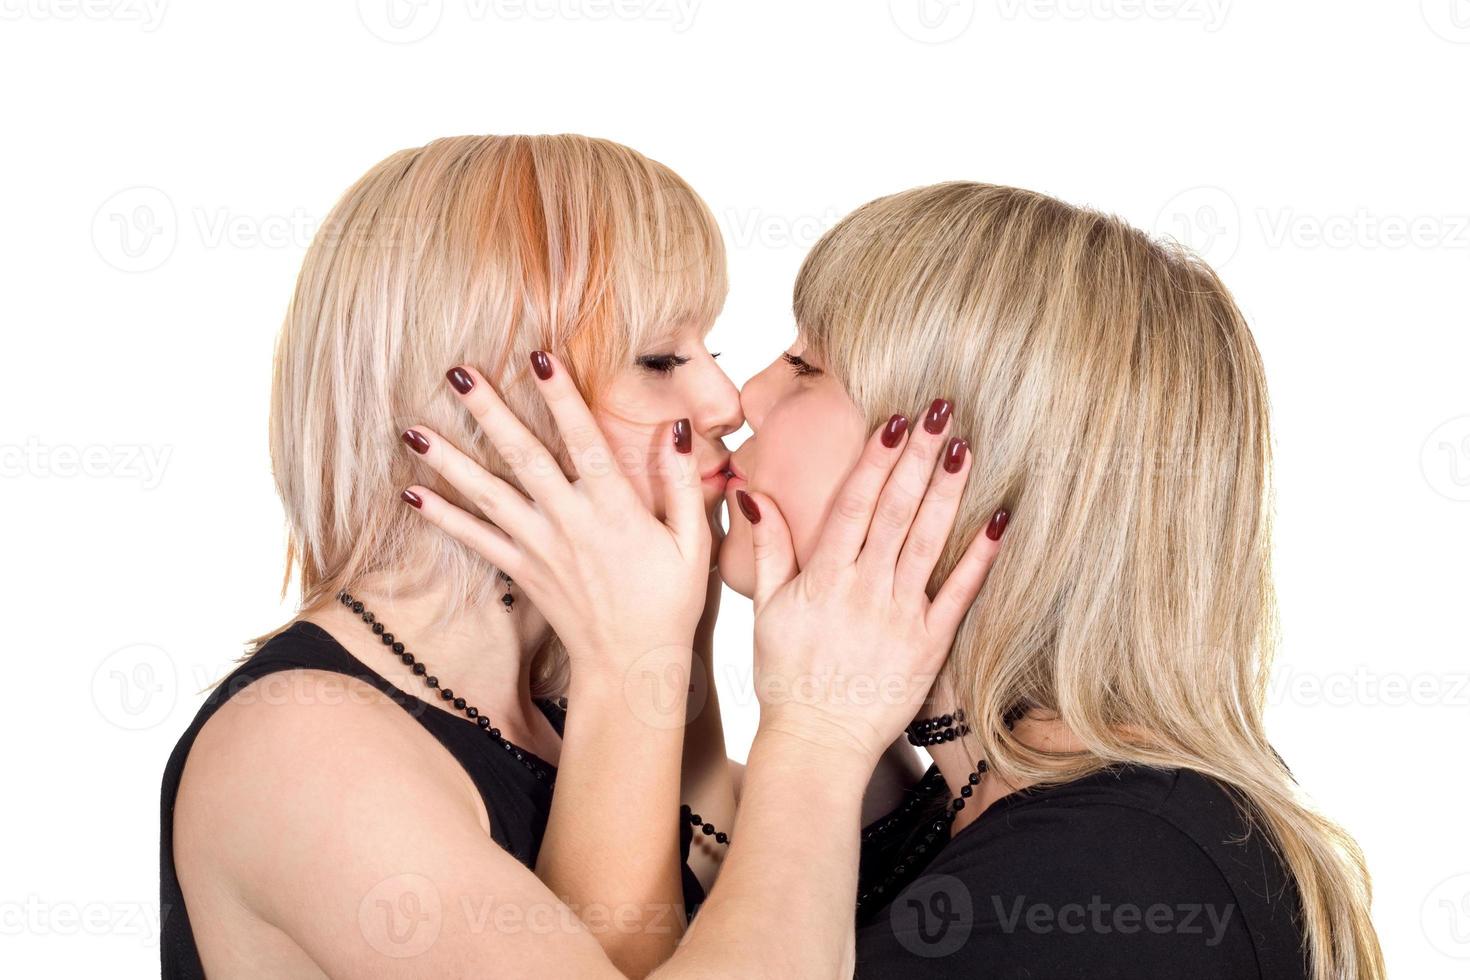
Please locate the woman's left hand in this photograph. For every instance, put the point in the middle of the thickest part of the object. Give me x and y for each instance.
(571, 543)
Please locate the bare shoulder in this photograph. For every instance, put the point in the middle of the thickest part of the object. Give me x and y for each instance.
(296, 753)
(314, 811)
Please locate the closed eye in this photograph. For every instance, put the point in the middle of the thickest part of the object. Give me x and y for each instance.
(662, 363)
(801, 367)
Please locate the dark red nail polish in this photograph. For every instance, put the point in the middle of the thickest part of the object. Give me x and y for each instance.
(683, 437)
(747, 506)
(954, 455)
(997, 525)
(416, 441)
(461, 380)
(894, 430)
(409, 497)
(541, 364)
(938, 415)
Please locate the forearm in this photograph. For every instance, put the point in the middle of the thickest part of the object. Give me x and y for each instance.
(611, 848)
(783, 905)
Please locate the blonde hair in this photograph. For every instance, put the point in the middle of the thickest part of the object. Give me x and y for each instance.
(1116, 404)
(468, 250)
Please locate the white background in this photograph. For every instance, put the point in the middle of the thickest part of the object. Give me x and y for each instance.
(166, 162)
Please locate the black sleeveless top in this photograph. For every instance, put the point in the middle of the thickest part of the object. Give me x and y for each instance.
(517, 799)
(1132, 873)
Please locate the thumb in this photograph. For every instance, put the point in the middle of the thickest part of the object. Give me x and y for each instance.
(683, 495)
(775, 558)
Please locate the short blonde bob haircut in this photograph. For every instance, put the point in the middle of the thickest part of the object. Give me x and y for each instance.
(473, 250)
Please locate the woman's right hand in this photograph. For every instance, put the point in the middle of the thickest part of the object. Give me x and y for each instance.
(619, 586)
(847, 648)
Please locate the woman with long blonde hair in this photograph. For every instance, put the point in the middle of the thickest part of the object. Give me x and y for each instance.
(1098, 728)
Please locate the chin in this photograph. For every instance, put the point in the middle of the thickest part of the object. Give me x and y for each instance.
(737, 565)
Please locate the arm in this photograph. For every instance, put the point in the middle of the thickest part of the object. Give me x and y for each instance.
(612, 837)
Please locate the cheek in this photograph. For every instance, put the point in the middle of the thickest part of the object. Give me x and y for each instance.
(804, 480)
(634, 455)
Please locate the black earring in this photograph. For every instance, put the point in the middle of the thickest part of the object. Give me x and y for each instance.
(507, 599)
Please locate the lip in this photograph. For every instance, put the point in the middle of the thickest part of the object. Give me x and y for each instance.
(718, 473)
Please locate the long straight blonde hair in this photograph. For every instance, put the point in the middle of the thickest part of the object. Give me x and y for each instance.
(1116, 405)
(469, 250)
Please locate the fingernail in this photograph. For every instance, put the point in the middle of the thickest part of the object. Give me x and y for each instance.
(416, 441)
(997, 525)
(409, 497)
(461, 380)
(541, 364)
(894, 430)
(747, 506)
(954, 455)
(938, 415)
(683, 437)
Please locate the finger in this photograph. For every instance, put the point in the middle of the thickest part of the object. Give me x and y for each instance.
(847, 524)
(962, 586)
(536, 468)
(486, 540)
(492, 496)
(591, 456)
(775, 557)
(683, 491)
(899, 501)
(930, 530)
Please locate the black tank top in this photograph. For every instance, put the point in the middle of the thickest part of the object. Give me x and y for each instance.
(516, 797)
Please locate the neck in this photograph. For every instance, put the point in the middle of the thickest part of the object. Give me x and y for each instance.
(957, 760)
(484, 655)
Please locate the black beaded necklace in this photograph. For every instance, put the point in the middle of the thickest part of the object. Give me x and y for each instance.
(925, 732)
(541, 769)
(874, 896)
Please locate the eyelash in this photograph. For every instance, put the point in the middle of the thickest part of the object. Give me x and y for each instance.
(802, 368)
(664, 363)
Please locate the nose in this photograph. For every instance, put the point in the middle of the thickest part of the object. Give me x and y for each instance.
(718, 412)
(755, 400)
